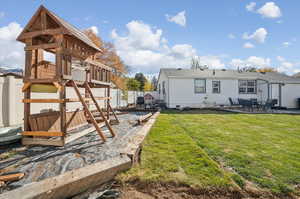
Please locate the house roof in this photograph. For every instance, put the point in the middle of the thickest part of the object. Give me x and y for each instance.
(272, 77)
(69, 29)
(296, 75)
(16, 75)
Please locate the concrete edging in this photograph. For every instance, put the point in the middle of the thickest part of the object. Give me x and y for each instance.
(72, 182)
(79, 180)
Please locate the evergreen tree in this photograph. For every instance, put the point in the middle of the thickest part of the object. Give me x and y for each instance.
(142, 79)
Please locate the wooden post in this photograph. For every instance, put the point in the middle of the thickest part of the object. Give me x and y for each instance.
(87, 95)
(44, 20)
(38, 57)
(59, 57)
(26, 110)
(62, 109)
(108, 101)
(28, 64)
(62, 93)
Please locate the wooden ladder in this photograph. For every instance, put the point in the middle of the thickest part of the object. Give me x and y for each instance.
(89, 114)
(113, 112)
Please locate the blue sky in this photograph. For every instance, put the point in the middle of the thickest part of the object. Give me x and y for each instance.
(149, 35)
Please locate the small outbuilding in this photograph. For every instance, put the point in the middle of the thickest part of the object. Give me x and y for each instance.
(149, 99)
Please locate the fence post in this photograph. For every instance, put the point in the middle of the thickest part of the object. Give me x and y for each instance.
(11, 99)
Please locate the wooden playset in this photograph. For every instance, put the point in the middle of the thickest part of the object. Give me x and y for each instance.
(75, 66)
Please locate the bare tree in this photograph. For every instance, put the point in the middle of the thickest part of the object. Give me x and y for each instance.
(195, 64)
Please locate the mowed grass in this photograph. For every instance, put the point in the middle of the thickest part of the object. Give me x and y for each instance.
(188, 147)
(171, 155)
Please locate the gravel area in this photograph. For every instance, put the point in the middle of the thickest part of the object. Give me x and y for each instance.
(40, 162)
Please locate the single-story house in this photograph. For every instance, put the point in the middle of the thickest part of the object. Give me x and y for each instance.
(197, 88)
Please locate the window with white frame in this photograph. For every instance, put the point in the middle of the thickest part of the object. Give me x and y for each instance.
(164, 87)
(216, 86)
(247, 86)
(200, 85)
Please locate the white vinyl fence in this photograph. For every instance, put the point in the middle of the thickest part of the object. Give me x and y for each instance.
(12, 109)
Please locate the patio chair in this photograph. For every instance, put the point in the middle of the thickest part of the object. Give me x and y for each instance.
(254, 102)
(268, 105)
(246, 104)
(233, 103)
(274, 102)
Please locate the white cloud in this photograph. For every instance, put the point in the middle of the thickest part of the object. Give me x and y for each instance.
(140, 36)
(11, 51)
(248, 45)
(286, 44)
(183, 50)
(179, 19)
(2, 14)
(94, 29)
(251, 6)
(259, 35)
(286, 66)
(231, 36)
(212, 61)
(145, 49)
(281, 59)
(251, 61)
(259, 61)
(10, 32)
(270, 10)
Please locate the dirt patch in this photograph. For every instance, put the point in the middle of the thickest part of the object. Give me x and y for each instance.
(138, 190)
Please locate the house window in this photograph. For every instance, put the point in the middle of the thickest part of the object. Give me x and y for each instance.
(216, 86)
(164, 87)
(200, 85)
(247, 86)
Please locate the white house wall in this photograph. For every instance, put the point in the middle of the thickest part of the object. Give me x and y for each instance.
(181, 92)
(274, 91)
(161, 96)
(262, 90)
(290, 93)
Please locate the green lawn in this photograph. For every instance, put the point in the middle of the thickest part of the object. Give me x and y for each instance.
(189, 148)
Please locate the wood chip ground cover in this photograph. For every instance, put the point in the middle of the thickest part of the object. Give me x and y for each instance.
(215, 150)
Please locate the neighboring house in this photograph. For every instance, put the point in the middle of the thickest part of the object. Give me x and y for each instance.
(296, 75)
(202, 88)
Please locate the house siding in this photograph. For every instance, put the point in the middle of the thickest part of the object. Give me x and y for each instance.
(161, 95)
(263, 90)
(289, 95)
(182, 93)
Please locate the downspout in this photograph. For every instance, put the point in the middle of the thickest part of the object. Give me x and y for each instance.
(280, 94)
(268, 91)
